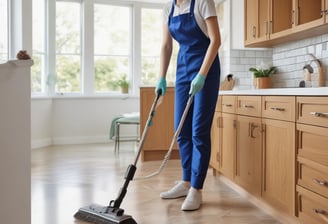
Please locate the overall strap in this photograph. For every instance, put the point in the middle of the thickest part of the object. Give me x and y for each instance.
(192, 7)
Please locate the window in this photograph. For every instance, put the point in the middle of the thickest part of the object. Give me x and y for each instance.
(115, 39)
(39, 47)
(68, 47)
(111, 46)
(151, 38)
(3, 30)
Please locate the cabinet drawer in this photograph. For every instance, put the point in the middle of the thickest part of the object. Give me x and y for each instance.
(279, 107)
(312, 208)
(312, 143)
(313, 110)
(249, 105)
(313, 176)
(229, 104)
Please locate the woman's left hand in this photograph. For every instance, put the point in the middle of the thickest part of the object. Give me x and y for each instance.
(197, 84)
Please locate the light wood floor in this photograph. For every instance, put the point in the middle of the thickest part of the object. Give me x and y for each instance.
(65, 178)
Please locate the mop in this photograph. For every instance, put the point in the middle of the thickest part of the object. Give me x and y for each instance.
(113, 214)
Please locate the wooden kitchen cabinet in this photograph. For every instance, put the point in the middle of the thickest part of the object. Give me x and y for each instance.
(278, 178)
(248, 155)
(278, 187)
(312, 159)
(266, 19)
(161, 132)
(256, 21)
(283, 20)
(278, 148)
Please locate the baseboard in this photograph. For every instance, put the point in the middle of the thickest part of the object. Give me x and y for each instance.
(80, 140)
(40, 143)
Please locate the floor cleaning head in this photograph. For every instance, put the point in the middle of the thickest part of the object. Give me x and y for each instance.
(101, 215)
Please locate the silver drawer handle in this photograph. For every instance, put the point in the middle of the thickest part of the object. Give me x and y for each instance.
(277, 108)
(247, 106)
(320, 182)
(319, 114)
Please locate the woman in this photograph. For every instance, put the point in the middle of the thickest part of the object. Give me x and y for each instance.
(193, 24)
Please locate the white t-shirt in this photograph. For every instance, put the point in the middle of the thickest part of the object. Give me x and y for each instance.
(203, 10)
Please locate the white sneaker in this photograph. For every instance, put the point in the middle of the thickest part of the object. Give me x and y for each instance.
(179, 190)
(192, 201)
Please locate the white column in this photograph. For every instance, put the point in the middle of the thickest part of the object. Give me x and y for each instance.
(15, 142)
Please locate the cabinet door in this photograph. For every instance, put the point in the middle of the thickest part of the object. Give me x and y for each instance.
(228, 144)
(216, 141)
(309, 13)
(249, 154)
(263, 20)
(161, 132)
(251, 10)
(282, 19)
(279, 164)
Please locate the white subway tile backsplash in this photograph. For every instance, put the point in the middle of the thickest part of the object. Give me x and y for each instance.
(250, 54)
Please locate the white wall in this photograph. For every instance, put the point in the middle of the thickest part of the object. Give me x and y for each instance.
(41, 122)
(77, 120)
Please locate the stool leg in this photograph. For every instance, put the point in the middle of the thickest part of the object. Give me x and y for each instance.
(117, 136)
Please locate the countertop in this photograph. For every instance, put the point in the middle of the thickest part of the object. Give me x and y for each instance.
(319, 91)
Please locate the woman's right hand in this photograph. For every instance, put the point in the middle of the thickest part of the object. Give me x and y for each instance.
(161, 86)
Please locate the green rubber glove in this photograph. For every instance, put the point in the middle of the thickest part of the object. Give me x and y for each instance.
(197, 84)
(161, 85)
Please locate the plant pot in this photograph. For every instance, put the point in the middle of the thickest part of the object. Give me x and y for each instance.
(263, 82)
(124, 89)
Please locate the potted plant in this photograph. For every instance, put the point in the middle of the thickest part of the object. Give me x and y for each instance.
(262, 75)
(123, 83)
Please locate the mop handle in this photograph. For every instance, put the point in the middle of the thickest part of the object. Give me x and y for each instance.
(147, 125)
(114, 205)
(176, 135)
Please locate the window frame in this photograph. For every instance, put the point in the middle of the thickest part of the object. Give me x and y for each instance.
(80, 55)
(44, 67)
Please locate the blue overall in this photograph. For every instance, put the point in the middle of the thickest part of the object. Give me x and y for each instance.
(194, 140)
